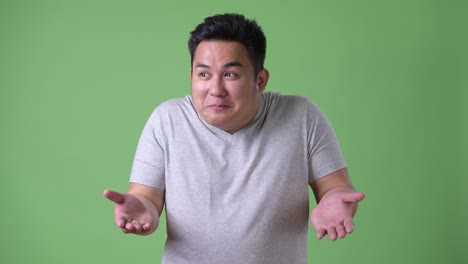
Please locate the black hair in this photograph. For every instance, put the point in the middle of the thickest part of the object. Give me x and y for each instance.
(232, 27)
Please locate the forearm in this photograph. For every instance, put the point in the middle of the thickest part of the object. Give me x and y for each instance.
(147, 202)
(336, 182)
(152, 199)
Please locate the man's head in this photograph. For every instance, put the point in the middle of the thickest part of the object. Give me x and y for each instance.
(232, 27)
(227, 71)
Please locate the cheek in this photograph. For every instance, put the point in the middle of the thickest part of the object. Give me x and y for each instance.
(240, 90)
(198, 95)
(247, 95)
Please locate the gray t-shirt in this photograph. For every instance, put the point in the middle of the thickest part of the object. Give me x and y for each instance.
(242, 197)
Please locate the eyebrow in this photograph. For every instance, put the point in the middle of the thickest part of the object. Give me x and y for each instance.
(227, 65)
(233, 64)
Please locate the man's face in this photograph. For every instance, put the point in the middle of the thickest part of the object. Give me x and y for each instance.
(225, 90)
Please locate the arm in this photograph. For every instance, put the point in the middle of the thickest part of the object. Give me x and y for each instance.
(138, 210)
(337, 203)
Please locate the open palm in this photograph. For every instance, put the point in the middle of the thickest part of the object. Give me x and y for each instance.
(131, 213)
(333, 216)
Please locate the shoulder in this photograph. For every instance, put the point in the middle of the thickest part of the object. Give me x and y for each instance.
(175, 103)
(170, 112)
(170, 116)
(173, 108)
(291, 103)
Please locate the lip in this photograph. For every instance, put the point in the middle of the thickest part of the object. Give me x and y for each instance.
(218, 106)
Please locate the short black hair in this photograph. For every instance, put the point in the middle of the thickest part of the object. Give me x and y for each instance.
(232, 27)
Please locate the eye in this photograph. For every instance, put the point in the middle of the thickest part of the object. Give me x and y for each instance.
(203, 75)
(230, 75)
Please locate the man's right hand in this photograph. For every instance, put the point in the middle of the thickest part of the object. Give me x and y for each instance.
(133, 213)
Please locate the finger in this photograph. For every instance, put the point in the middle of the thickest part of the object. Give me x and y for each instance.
(146, 227)
(349, 226)
(321, 233)
(331, 233)
(352, 197)
(137, 228)
(120, 222)
(340, 231)
(114, 196)
(130, 227)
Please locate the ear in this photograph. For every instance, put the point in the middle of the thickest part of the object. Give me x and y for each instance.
(262, 79)
(191, 72)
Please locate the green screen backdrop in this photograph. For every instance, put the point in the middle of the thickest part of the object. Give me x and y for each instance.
(78, 79)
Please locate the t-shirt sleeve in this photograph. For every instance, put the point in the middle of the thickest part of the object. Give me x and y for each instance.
(149, 162)
(324, 153)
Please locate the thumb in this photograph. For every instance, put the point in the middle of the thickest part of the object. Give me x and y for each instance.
(352, 197)
(114, 196)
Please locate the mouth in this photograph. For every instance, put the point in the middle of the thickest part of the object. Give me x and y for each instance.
(218, 107)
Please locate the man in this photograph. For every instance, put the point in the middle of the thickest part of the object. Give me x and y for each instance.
(232, 163)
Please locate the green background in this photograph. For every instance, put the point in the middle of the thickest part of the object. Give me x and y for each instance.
(78, 80)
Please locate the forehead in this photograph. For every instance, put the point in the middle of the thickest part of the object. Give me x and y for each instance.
(221, 51)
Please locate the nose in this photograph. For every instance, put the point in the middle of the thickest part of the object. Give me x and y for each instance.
(217, 87)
